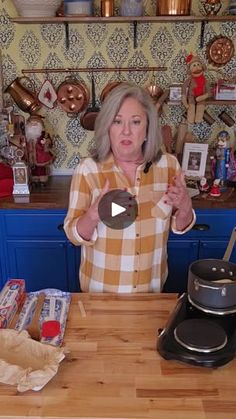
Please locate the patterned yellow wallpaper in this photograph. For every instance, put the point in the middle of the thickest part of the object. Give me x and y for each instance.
(108, 45)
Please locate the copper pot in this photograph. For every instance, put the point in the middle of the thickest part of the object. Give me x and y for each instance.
(155, 91)
(108, 88)
(73, 96)
(88, 118)
(23, 96)
(173, 7)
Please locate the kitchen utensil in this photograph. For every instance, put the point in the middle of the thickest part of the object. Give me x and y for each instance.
(88, 118)
(72, 96)
(34, 327)
(220, 51)
(153, 89)
(50, 326)
(212, 282)
(24, 98)
(173, 7)
(108, 88)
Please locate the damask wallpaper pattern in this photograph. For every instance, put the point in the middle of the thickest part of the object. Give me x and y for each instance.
(109, 45)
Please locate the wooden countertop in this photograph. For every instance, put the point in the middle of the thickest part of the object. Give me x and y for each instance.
(113, 370)
(55, 195)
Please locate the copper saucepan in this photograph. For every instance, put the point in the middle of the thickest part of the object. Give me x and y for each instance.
(73, 96)
(108, 88)
(87, 119)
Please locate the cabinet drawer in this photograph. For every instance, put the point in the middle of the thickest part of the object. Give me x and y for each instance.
(34, 224)
(214, 224)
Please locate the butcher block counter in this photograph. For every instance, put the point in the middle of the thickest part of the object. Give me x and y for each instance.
(112, 369)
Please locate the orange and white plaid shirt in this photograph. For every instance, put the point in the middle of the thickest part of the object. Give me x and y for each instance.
(133, 259)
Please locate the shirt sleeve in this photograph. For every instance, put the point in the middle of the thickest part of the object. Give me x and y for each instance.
(80, 199)
(173, 224)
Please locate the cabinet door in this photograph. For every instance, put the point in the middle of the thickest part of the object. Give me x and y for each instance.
(43, 264)
(215, 250)
(181, 253)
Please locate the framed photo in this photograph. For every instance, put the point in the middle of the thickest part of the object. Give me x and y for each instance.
(175, 95)
(194, 159)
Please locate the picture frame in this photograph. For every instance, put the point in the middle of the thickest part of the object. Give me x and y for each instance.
(175, 94)
(194, 159)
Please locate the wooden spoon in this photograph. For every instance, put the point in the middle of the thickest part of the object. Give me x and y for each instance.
(34, 328)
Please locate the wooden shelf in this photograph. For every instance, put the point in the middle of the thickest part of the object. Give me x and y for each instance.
(121, 19)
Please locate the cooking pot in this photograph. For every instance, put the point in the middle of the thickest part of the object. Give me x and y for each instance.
(88, 118)
(108, 88)
(72, 96)
(212, 283)
(173, 7)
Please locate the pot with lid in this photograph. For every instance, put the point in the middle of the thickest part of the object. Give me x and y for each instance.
(212, 283)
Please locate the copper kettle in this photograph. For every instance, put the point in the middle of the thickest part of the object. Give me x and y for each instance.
(23, 96)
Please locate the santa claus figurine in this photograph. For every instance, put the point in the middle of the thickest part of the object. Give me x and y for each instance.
(195, 90)
(39, 149)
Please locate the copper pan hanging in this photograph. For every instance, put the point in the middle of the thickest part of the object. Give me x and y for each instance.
(73, 96)
(108, 88)
(220, 51)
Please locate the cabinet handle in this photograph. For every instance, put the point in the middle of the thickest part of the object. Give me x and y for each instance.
(60, 227)
(201, 227)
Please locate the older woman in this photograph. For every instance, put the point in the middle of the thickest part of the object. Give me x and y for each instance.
(127, 156)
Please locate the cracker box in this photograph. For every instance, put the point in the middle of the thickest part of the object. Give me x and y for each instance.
(11, 297)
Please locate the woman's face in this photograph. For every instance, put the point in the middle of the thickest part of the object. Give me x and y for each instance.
(128, 131)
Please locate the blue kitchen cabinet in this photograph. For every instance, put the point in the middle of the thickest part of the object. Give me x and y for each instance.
(208, 239)
(35, 248)
(181, 253)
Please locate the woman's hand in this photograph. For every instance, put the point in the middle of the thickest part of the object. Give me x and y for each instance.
(93, 210)
(87, 223)
(177, 195)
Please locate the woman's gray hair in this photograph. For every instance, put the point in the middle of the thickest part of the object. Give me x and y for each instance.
(108, 112)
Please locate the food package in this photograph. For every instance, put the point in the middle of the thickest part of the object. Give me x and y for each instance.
(11, 297)
(56, 307)
(31, 372)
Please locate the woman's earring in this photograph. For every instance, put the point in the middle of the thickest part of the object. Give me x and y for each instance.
(145, 139)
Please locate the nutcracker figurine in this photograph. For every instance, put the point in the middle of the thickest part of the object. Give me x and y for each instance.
(220, 162)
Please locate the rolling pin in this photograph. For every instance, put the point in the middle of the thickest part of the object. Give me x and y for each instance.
(34, 327)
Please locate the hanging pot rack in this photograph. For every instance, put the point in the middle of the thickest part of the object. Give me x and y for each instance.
(90, 70)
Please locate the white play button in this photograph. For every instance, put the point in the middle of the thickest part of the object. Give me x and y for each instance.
(116, 209)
